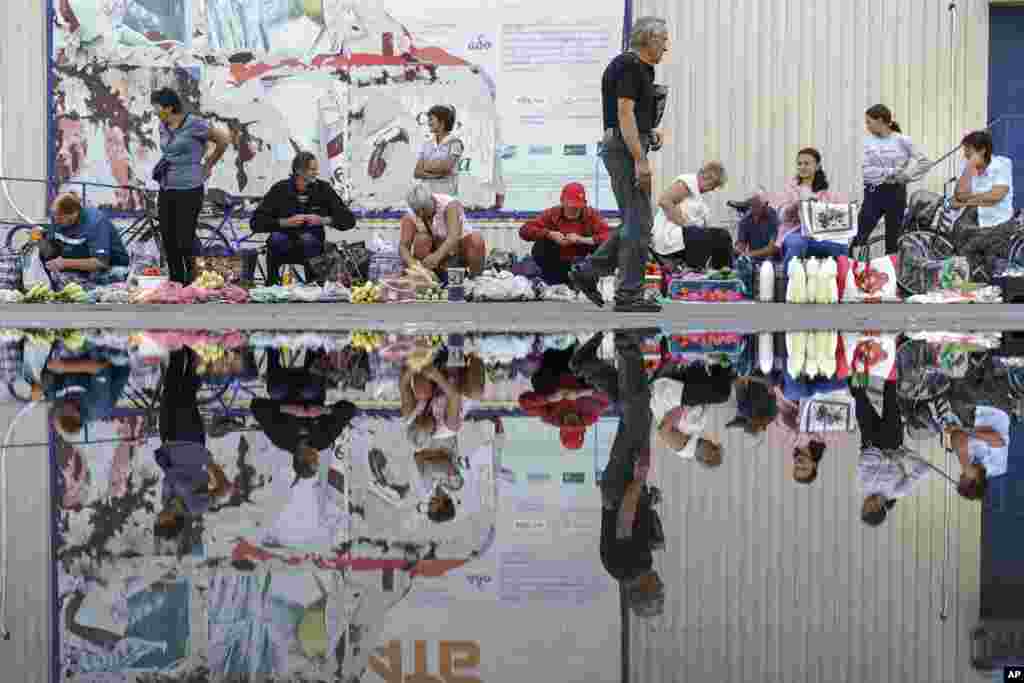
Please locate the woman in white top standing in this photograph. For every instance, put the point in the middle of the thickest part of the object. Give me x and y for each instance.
(438, 163)
(890, 162)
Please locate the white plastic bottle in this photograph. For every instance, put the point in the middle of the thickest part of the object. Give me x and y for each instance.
(833, 282)
(827, 353)
(796, 349)
(766, 282)
(796, 288)
(812, 268)
(766, 352)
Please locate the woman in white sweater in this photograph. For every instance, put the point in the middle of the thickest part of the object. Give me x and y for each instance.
(890, 162)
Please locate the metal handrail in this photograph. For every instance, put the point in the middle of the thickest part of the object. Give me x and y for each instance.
(369, 214)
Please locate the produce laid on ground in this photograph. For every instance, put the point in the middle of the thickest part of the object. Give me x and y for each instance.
(368, 293)
(431, 293)
(364, 340)
(209, 280)
(72, 293)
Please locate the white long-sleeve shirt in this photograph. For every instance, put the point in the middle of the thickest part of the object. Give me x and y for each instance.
(889, 476)
(885, 159)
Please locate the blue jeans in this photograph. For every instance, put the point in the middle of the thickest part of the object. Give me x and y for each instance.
(628, 247)
(795, 389)
(798, 246)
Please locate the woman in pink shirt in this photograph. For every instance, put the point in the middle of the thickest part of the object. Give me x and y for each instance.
(810, 182)
(435, 234)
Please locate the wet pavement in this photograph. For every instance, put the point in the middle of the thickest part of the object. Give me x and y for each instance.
(456, 506)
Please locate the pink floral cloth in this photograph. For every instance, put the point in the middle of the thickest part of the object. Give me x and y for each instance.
(174, 293)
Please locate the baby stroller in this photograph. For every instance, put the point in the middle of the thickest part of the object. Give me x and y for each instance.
(932, 231)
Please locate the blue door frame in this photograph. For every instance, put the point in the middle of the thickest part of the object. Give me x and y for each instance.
(1006, 88)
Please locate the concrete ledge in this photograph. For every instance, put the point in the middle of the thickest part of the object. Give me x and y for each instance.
(497, 317)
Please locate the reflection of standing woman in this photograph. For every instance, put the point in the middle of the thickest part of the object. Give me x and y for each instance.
(438, 163)
(182, 172)
(891, 160)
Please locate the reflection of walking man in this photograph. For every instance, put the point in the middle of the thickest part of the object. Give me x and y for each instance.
(630, 528)
(630, 112)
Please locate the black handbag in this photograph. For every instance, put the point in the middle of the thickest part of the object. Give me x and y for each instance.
(347, 263)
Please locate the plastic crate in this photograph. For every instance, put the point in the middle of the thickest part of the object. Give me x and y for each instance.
(688, 289)
(706, 342)
(10, 270)
(384, 266)
(1013, 288)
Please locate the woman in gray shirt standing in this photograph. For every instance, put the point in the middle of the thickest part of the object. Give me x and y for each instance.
(438, 163)
(182, 173)
(891, 160)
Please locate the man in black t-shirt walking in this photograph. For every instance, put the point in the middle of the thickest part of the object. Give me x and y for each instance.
(630, 99)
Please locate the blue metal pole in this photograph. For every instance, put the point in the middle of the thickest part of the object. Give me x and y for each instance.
(56, 494)
(627, 24)
(51, 108)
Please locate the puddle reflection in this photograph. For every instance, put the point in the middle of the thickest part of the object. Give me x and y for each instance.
(358, 506)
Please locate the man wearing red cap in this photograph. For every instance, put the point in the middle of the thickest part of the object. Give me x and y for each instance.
(565, 233)
(571, 407)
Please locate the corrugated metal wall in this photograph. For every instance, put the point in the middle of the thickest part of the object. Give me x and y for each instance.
(23, 98)
(753, 81)
(770, 581)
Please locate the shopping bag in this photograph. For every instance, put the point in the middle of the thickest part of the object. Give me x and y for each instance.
(868, 281)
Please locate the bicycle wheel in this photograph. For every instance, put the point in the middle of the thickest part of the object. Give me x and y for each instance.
(212, 239)
(916, 249)
(141, 230)
(19, 237)
(872, 249)
(920, 378)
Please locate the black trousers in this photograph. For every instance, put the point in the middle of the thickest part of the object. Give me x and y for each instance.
(626, 384)
(883, 431)
(548, 256)
(889, 201)
(179, 407)
(179, 217)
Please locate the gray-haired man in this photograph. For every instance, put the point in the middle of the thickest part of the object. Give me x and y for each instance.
(631, 114)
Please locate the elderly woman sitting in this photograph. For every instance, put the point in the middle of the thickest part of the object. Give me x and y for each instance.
(435, 235)
(679, 225)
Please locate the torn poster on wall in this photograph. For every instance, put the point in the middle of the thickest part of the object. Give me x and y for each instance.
(281, 76)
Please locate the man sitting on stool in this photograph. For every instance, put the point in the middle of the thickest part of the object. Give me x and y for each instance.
(295, 212)
(564, 233)
(83, 246)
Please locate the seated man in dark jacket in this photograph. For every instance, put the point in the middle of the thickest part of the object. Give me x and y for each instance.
(295, 212)
(296, 418)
